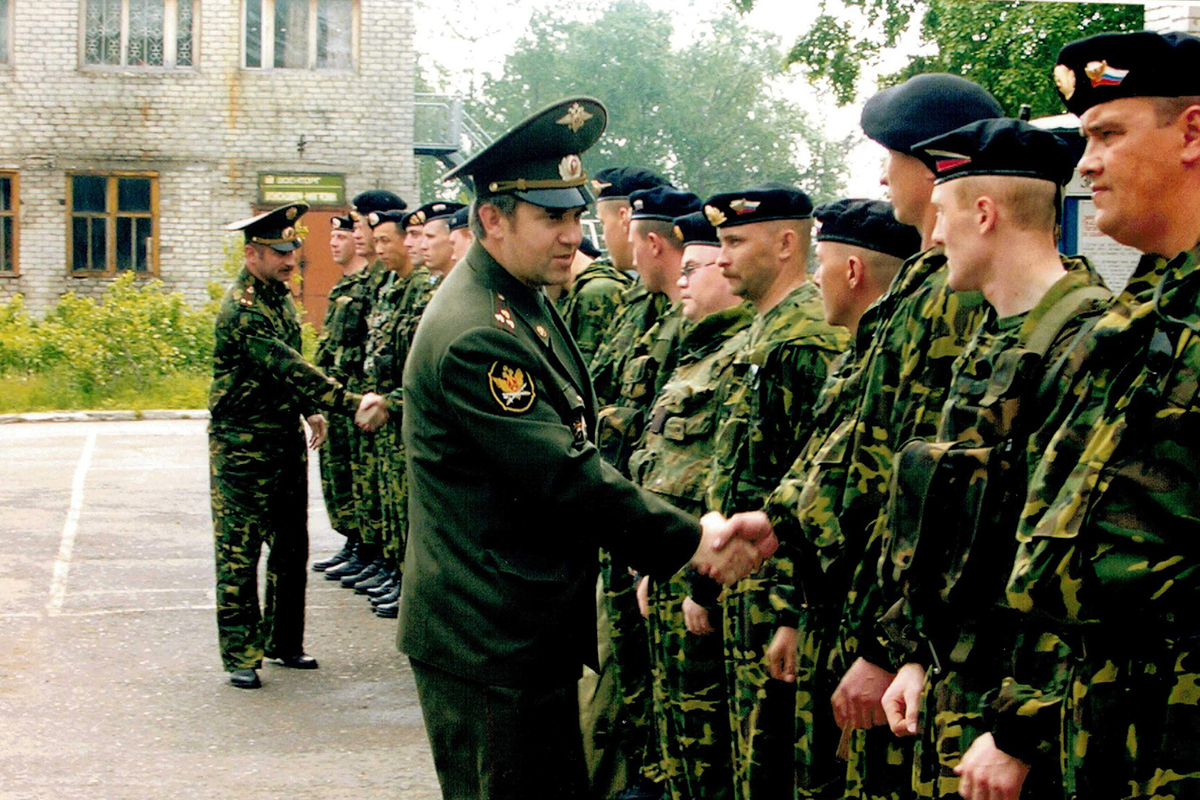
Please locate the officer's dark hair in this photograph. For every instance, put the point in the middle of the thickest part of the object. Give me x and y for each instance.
(506, 204)
(664, 229)
(1168, 109)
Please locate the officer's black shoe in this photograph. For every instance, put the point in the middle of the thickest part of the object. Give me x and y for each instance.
(367, 571)
(388, 610)
(373, 582)
(355, 565)
(382, 589)
(245, 679)
(301, 661)
(391, 597)
(340, 557)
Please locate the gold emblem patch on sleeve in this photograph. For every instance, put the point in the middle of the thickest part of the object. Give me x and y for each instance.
(511, 387)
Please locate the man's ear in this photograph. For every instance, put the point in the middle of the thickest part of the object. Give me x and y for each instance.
(1189, 121)
(986, 213)
(856, 272)
(491, 219)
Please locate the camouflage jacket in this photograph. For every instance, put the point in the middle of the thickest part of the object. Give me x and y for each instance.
(389, 332)
(1105, 554)
(593, 302)
(675, 457)
(344, 332)
(641, 310)
(261, 383)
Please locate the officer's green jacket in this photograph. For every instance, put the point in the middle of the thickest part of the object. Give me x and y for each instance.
(509, 498)
(589, 308)
(1107, 556)
(641, 310)
(261, 382)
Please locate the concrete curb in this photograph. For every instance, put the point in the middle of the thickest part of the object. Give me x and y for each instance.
(104, 416)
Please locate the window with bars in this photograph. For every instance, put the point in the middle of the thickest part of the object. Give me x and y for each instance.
(8, 223)
(113, 224)
(300, 34)
(5, 32)
(139, 33)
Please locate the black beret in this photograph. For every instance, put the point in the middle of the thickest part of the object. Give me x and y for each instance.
(439, 209)
(869, 224)
(925, 106)
(377, 200)
(342, 223)
(588, 248)
(618, 183)
(415, 217)
(1110, 66)
(695, 228)
(538, 159)
(277, 228)
(1006, 147)
(377, 218)
(663, 203)
(459, 219)
(771, 201)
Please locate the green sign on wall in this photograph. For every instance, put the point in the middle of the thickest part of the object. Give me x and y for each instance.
(275, 188)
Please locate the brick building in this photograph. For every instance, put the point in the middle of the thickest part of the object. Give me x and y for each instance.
(133, 130)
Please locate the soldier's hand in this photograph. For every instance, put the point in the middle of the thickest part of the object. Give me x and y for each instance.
(857, 701)
(730, 549)
(317, 430)
(781, 654)
(695, 616)
(902, 699)
(372, 412)
(989, 773)
(643, 596)
(750, 526)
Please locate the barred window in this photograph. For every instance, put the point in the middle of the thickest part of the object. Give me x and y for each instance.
(8, 223)
(112, 222)
(139, 33)
(5, 32)
(300, 34)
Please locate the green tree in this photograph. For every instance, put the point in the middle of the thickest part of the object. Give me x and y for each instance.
(705, 114)
(1007, 47)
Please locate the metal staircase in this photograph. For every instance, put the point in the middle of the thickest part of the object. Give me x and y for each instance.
(442, 129)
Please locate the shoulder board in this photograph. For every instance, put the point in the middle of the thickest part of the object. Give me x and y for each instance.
(503, 314)
(247, 298)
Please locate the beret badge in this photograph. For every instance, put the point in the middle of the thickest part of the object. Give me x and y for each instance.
(716, 217)
(1064, 79)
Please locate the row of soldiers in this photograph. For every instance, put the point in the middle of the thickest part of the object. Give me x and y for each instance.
(931, 434)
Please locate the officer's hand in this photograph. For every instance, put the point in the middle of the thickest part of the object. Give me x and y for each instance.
(643, 596)
(724, 554)
(857, 699)
(751, 526)
(317, 429)
(372, 412)
(989, 773)
(901, 700)
(695, 616)
(781, 654)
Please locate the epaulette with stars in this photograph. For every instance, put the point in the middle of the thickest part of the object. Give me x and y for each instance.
(503, 314)
(247, 298)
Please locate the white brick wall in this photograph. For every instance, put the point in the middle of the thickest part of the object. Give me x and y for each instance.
(207, 132)
(1168, 16)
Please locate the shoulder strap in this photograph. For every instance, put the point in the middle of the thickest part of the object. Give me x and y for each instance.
(1047, 329)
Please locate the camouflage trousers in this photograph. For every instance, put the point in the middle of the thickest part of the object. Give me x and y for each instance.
(879, 766)
(691, 711)
(818, 772)
(259, 490)
(337, 474)
(762, 711)
(367, 480)
(631, 657)
(393, 493)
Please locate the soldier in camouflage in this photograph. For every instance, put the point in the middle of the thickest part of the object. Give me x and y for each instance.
(765, 233)
(860, 248)
(997, 188)
(690, 711)
(339, 355)
(261, 387)
(436, 247)
(1104, 558)
(593, 300)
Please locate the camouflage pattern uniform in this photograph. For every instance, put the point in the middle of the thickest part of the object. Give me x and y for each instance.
(640, 311)
(367, 501)
(340, 355)
(261, 386)
(389, 333)
(595, 299)
(690, 709)
(949, 622)
(1103, 559)
(768, 419)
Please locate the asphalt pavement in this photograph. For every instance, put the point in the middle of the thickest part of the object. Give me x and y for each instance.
(110, 682)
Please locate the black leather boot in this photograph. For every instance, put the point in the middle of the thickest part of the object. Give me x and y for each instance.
(340, 557)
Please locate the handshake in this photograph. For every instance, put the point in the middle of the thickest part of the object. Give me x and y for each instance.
(372, 412)
(730, 549)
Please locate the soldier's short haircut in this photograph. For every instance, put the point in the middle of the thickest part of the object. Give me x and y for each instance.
(882, 266)
(1168, 109)
(1030, 202)
(506, 204)
(664, 229)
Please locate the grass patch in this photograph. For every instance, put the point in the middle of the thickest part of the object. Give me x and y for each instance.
(52, 391)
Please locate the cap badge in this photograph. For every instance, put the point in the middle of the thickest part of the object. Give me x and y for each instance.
(287, 233)
(678, 233)
(418, 218)
(1064, 79)
(599, 186)
(638, 204)
(373, 219)
(743, 206)
(1101, 74)
(336, 223)
(290, 213)
(716, 217)
(438, 207)
(944, 160)
(575, 118)
(510, 387)
(570, 168)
